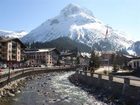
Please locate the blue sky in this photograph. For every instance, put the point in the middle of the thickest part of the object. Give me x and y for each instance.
(123, 15)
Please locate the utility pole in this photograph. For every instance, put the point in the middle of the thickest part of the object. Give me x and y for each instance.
(106, 35)
(8, 80)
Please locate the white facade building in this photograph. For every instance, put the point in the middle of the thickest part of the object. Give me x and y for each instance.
(48, 57)
(134, 64)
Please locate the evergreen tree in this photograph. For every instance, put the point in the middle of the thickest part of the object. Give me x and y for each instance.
(115, 62)
(94, 60)
(58, 62)
(77, 60)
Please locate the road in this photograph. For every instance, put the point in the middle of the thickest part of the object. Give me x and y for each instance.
(110, 68)
(104, 68)
(130, 77)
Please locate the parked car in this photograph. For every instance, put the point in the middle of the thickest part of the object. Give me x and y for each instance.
(43, 66)
(3, 66)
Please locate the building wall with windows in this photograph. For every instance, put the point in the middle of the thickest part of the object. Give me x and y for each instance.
(11, 50)
(106, 57)
(37, 57)
(18, 52)
(134, 64)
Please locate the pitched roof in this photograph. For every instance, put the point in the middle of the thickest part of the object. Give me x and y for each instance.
(12, 39)
(41, 50)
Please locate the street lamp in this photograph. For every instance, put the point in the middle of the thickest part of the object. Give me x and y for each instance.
(8, 80)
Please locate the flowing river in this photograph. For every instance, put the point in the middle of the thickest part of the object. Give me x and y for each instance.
(51, 89)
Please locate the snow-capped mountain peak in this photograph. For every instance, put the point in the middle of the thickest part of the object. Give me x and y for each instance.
(12, 34)
(73, 9)
(80, 25)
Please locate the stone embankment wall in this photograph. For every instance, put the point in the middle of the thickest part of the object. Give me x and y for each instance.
(120, 87)
(10, 83)
(14, 75)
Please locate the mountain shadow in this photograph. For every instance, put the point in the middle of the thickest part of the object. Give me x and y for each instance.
(62, 43)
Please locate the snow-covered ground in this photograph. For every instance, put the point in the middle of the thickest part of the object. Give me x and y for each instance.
(104, 68)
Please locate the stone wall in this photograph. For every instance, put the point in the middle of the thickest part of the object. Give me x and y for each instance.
(9, 85)
(124, 89)
(15, 75)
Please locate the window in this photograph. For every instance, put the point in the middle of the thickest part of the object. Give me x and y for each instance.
(137, 64)
(9, 45)
(134, 64)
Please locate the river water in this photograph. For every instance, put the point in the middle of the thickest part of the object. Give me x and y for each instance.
(51, 89)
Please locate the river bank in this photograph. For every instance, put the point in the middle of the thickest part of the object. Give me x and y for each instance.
(12, 88)
(103, 91)
(51, 89)
(10, 83)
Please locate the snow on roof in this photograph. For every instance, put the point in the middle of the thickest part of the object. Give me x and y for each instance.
(41, 50)
(45, 50)
(128, 56)
(84, 54)
(131, 52)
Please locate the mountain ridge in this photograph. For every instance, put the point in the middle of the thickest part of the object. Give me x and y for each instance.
(12, 34)
(78, 24)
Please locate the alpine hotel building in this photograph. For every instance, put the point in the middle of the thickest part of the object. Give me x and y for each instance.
(11, 51)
